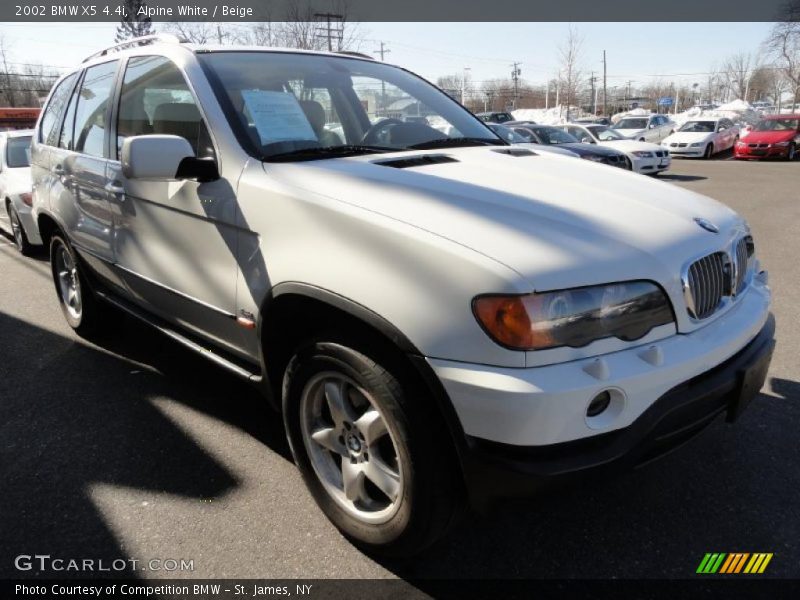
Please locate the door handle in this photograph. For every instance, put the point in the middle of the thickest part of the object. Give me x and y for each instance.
(117, 190)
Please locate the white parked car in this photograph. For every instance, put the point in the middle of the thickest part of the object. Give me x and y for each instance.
(645, 157)
(703, 136)
(649, 128)
(15, 189)
(437, 318)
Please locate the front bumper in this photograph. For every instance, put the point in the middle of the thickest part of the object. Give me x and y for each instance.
(761, 151)
(495, 470)
(651, 165)
(686, 150)
(27, 221)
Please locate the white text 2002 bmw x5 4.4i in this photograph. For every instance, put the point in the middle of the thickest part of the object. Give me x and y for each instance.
(438, 317)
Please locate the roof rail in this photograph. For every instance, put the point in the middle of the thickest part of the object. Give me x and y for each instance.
(355, 54)
(139, 41)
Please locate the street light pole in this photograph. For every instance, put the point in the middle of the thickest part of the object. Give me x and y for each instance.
(464, 85)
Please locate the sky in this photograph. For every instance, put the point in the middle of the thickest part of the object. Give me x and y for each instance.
(635, 51)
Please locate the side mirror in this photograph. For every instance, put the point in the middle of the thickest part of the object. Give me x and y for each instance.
(651, 126)
(164, 158)
(587, 140)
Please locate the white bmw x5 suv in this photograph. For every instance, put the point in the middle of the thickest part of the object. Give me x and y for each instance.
(437, 317)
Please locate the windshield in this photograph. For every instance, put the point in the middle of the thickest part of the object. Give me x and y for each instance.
(631, 124)
(305, 106)
(698, 126)
(18, 152)
(606, 134)
(552, 135)
(778, 125)
(507, 134)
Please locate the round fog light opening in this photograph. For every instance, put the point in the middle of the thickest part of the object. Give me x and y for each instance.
(599, 404)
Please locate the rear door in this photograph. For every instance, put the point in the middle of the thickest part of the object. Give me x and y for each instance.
(78, 163)
(175, 241)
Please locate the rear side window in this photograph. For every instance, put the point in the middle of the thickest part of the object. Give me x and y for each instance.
(92, 109)
(18, 152)
(155, 99)
(48, 130)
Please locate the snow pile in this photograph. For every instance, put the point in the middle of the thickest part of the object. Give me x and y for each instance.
(738, 111)
(636, 112)
(549, 116)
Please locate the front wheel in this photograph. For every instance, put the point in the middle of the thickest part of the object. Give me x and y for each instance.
(76, 298)
(791, 154)
(372, 450)
(709, 152)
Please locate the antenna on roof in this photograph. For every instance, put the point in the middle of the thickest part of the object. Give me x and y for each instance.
(166, 38)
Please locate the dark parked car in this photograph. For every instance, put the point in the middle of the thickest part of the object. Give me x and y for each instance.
(495, 117)
(547, 135)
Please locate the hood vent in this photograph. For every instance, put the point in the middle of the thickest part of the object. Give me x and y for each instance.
(515, 151)
(416, 161)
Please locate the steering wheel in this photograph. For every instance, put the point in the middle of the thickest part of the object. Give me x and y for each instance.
(370, 137)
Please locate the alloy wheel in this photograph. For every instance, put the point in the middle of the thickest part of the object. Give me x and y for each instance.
(16, 228)
(69, 286)
(350, 447)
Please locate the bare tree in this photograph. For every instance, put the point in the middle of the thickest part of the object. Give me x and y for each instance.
(570, 74)
(456, 85)
(10, 96)
(206, 33)
(133, 24)
(783, 43)
(738, 71)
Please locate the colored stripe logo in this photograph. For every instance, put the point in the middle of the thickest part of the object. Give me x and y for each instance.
(733, 563)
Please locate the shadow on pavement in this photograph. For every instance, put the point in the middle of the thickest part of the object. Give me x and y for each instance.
(72, 416)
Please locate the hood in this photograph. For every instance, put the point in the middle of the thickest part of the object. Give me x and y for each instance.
(558, 222)
(583, 149)
(631, 146)
(689, 137)
(770, 137)
(549, 149)
(630, 132)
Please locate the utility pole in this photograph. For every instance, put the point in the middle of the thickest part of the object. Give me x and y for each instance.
(628, 96)
(464, 85)
(515, 73)
(337, 31)
(592, 97)
(604, 84)
(383, 51)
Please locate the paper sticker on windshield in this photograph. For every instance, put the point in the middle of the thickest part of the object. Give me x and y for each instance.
(277, 116)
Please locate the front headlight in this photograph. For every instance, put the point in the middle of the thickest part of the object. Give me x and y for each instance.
(696, 144)
(642, 154)
(593, 157)
(782, 144)
(574, 317)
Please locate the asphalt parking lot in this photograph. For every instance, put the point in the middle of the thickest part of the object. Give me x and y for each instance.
(132, 447)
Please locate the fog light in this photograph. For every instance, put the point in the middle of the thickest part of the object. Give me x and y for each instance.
(598, 404)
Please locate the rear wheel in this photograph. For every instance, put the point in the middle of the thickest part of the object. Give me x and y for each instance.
(371, 447)
(20, 238)
(76, 298)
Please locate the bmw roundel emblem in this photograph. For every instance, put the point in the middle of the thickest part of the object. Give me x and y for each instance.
(706, 224)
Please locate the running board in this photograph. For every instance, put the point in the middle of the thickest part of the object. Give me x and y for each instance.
(182, 339)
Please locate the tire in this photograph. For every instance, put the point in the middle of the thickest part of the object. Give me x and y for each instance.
(709, 152)
(77, 300)
(791, 154)
(20, 237)
(381, 465)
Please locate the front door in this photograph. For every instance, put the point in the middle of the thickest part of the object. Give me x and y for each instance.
(174, 242)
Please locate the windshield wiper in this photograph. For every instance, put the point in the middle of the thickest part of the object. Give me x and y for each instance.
(319, 153)
(456, 142)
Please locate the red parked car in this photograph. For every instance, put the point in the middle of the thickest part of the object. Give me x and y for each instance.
(775, 135)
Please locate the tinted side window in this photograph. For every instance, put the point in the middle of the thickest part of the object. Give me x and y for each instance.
(65, 140)
(156, 99)
(52, 114)
(93, 104)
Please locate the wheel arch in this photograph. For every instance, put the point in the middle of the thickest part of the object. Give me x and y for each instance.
(318, 310)
(48, 227)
